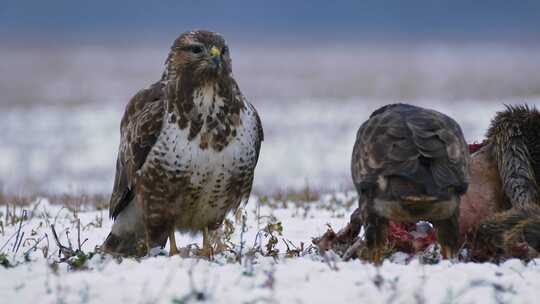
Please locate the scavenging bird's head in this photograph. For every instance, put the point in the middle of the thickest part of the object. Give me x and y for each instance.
(202, 56)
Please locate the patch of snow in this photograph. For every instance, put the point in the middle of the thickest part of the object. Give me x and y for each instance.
(305, 279)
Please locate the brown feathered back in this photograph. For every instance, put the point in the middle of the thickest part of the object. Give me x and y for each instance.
(422, 146)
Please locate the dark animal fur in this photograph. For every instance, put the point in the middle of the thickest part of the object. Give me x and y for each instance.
(515, 134)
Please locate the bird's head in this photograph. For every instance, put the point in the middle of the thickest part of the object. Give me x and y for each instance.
(201, 55)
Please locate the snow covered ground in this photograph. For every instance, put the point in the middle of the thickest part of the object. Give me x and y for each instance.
(289, 276)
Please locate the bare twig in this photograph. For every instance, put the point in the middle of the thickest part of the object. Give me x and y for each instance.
(35, 245)
(69, 240)
(67, 252)
(58, 214)
(244, 229)
(9, 239)
(19, 244)
(45, 249)
(79, 233)
(19, 230)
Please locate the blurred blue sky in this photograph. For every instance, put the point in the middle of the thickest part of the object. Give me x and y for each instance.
(313, 20)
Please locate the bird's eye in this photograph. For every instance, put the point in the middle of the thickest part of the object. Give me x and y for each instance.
(196, 49)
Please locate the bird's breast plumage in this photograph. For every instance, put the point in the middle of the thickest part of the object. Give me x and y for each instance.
(207, 174)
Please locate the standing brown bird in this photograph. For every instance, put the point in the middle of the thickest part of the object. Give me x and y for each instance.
(188, 151)
(409, 164)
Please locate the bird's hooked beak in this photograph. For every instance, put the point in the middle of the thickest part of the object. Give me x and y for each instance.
(215, 56)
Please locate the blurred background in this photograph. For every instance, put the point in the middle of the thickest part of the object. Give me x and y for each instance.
(315, 70)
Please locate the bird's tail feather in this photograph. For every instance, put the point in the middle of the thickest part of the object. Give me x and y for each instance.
(411, 191)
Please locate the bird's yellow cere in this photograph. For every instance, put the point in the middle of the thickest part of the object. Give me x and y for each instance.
(215, 52)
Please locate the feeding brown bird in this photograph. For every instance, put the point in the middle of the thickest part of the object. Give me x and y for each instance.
(409, 164)
(499, 215)
(188, 150)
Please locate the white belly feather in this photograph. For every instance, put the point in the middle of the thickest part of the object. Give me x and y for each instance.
(207, 169)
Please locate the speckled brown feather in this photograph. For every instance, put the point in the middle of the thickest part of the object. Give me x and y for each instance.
(139, 128)
(189, 147)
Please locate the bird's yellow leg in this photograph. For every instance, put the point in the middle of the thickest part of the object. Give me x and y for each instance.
(447, 252)
(173, 250)
(207, 250)
(377, 255)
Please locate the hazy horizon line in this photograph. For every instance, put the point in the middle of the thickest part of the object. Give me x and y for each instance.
(59, 38)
